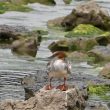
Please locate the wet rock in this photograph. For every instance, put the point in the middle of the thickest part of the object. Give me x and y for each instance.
(85, 30)
(28, 93)
(26, 47)
(46, 2)
(100, 53)
(11, 33)
(106, 71)
(61, 45)
(67, 1)
(55, 23)
(103, 39)
(49, 100)
(88, 13)
(84, 44)
(79, 56)
(96, 106)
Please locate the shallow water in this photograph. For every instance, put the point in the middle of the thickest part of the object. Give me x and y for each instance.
(13, 68)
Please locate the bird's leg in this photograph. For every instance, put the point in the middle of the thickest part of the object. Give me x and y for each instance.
(49, 87)
(63, 87)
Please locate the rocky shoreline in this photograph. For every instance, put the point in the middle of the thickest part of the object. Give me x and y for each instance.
(79, 44)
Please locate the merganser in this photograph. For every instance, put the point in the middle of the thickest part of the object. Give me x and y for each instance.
(58, 67)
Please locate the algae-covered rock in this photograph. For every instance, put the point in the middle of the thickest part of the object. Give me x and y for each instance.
(103, 39)
(20, 5)
(84, 30)
(83, 44)
(61, 45)
(67, 1)
(7, 6)
(100, 90)
(46, 2)
(26, 47)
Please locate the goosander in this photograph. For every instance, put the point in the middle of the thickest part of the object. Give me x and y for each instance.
(58, 67)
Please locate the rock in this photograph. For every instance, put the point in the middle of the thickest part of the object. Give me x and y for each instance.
(96, 106)
(55, 23)
(26, 46)
(106, 71)
(67, 1)
(49, 100)
(84, 44)
(11, 33)
(79, 56)
(100, 53)
(88, 13)
(61, 45)
(85, 30)
(46, 2)
(103, 39)
(14, 5)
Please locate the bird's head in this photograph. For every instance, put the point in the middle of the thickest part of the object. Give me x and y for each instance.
(59, 54)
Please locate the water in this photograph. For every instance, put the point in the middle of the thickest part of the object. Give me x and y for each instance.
(13, 68)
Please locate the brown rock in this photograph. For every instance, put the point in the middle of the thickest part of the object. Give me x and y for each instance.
(88, 13)
(26, 46)
(100, 53)
(106, 71)
(49, 100)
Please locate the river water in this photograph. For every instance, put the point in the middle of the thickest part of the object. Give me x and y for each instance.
(12, 68)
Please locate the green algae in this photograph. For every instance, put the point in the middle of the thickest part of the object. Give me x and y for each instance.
(102, 91)
(6, 6)
(85, 30)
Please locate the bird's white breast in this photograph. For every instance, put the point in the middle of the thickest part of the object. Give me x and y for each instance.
(59, 64)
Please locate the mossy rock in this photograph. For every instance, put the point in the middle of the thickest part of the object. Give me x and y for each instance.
(6, 6)
(85, 30)
(46, 2)
(102, 91)
(61, 45)
(67, 1)
(103, 39)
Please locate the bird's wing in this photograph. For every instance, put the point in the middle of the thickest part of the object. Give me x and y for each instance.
(68, 66)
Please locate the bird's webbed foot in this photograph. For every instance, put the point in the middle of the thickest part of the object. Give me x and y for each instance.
(62, 87)
(49, 87)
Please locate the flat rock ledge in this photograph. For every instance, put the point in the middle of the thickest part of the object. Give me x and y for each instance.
(72, 99)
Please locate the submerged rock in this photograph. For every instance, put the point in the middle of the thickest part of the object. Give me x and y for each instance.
(55, 99)
(67, 1)
(100, 53)
(26, 47)
(96, 106)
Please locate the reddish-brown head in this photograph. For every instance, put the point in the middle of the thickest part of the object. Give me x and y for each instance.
(59, 54)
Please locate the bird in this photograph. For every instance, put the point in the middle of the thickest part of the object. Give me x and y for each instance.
(58, 67)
